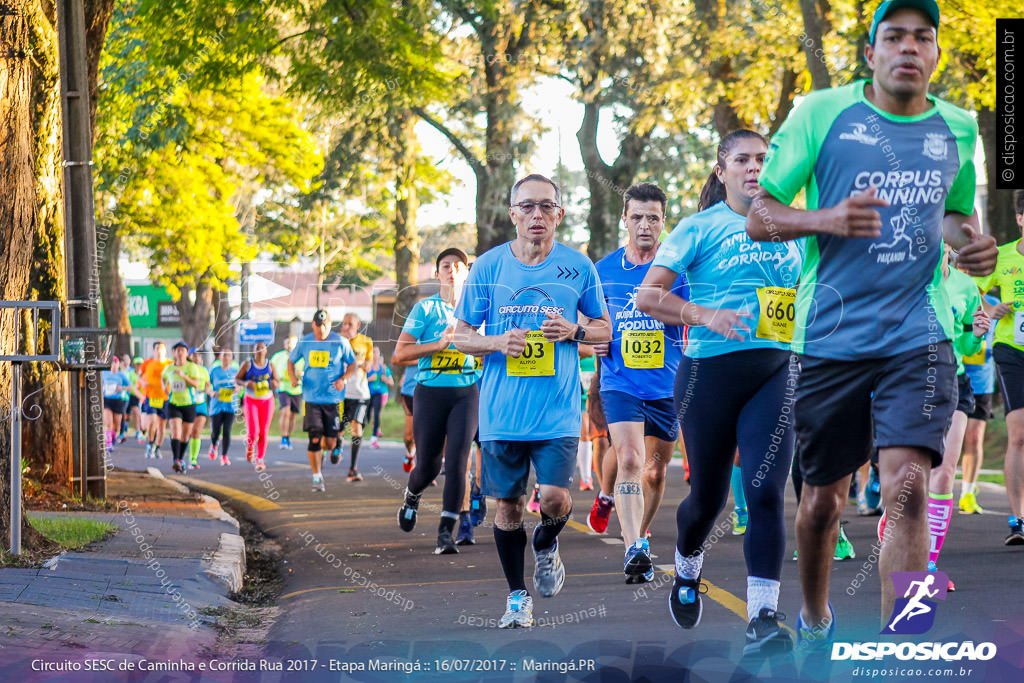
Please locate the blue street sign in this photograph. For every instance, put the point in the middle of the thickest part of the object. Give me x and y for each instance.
(251, 332)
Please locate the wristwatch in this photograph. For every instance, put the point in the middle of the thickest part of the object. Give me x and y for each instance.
(580, 335)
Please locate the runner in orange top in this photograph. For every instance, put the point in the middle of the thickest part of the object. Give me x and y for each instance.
(155, 404)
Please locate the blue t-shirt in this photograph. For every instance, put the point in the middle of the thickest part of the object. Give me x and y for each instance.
(541, 398)
(644, 353)
(983, 375)
(408, 381)
(112, 383)
(427, 321)
(326, 362)
(261, 375)
(379, 386)
(726, 269)
(223, 381)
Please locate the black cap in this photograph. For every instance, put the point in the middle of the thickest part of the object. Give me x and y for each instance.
(451, 251)
(321, 316)
(181, 344)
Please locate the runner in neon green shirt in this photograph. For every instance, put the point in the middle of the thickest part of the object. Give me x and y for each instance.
(1008, 352)
(202, 409)
(180, 380)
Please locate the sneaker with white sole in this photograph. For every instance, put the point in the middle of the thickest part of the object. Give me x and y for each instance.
(548, 571)
(765, 636)
(518, 611)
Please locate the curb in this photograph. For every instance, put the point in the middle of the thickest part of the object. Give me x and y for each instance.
(227, 564)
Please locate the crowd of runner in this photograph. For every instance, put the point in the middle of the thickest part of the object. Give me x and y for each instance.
(844, 344)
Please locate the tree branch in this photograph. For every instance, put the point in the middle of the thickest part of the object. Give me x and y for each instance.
(471, 159)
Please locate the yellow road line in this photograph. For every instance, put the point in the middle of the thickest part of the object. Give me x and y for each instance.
(425, 583)
(255, 502)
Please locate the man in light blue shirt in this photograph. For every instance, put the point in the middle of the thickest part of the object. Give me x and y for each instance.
(329, 361)
(529, 294)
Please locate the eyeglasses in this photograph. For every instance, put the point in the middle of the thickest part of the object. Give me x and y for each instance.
(528, 207)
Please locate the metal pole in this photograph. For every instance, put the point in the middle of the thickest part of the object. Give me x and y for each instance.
(16, 459)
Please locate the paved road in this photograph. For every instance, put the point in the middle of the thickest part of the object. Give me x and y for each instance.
(439, 612)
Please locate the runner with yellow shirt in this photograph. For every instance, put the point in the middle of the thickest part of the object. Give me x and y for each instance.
(1008, 352)
(180, 380)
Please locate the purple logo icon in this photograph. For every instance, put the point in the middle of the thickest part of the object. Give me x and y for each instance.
(914, 613)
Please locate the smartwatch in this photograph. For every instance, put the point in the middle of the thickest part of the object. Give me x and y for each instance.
(580, 335)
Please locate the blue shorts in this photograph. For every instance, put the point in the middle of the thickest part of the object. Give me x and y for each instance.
(658, 415)
(202, 409)
(506, 465)
(160, 412)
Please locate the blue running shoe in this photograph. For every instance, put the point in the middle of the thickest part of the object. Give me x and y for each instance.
(465, 535)
(638, 566)
(873, 490)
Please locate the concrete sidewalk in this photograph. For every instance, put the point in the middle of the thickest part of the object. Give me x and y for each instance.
(143, 593)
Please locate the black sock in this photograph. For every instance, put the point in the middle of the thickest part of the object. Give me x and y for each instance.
(512, 554)
(174, 449)
(356, 441)
(446, 524)
(548, 530)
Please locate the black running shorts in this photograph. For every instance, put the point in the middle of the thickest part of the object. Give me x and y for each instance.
(909, 398)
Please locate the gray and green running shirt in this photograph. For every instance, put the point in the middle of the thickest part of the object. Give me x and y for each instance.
(873, 298)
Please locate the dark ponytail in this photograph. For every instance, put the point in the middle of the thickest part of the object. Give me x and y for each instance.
(714, 190)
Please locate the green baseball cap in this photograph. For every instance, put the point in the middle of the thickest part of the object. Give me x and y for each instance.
(926, 7)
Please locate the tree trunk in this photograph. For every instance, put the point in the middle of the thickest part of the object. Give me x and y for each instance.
(502, 108)
(97, 20)
(17, 217)
(223, 327)
(813, 45)
(112, 289)
(47, 440)
(607, 183)
(406, 204)
(1000, 221)
(195, 316)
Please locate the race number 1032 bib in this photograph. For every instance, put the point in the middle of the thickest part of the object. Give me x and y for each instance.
(319, 359)
(643, 349)
(778, 313)
(448, 361)
(1018, 328)
(537, 359)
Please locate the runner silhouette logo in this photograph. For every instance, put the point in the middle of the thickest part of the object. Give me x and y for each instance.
(914, 613)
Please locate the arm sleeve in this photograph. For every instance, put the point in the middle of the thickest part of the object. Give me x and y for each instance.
(592, 302)
(680, 249)
(415, 323)
(792, 154)
(961, 194)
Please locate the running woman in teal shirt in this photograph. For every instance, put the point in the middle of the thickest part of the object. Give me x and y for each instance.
(446, 398)
(734, 385)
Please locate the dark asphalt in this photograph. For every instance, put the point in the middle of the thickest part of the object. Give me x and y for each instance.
(361, 595)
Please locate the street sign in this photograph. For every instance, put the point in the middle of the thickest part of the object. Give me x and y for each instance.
(252, 331)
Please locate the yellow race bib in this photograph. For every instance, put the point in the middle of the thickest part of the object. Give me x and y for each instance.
(778, 313)
(448, 360)
(156, 403)
(319, 359)
(537, 359)
(262, 389)
(643, 349)
(226, 395)
(979, 357)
